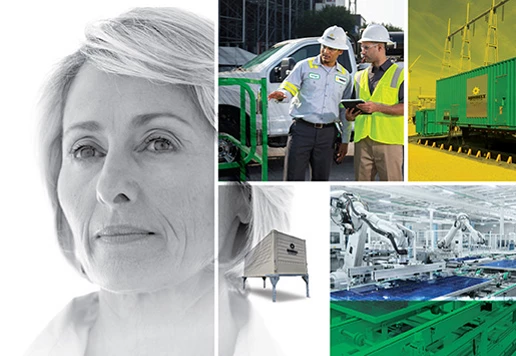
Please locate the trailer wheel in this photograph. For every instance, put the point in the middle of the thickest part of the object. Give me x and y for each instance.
(229, 123)
(228, 152)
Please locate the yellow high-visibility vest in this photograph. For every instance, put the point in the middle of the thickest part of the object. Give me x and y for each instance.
(380, 127)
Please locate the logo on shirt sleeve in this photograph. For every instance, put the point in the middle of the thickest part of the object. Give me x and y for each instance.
(313, 75)
(341, 79)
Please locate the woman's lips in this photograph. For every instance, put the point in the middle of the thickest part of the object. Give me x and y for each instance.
(122, 234)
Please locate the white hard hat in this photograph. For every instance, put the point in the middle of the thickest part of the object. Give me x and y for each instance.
(375, 33)
(334, 37)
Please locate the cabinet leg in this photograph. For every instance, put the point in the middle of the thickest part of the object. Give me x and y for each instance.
(274, 281)
(305, 278)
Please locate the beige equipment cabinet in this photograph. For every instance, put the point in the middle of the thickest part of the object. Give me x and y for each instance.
(277, 255)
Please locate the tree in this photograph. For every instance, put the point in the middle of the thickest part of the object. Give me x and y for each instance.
(313, 23)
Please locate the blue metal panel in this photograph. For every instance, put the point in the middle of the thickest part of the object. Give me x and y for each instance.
(508, 264)
(408, 289)
(469, 258)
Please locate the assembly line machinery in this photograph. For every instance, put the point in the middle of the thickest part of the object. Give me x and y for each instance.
(423, 328)
(389, 298)
(398, 269)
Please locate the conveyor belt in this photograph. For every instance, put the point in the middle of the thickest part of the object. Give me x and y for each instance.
(382, 311)
(468, 258)
(506, 265)
(410, 290)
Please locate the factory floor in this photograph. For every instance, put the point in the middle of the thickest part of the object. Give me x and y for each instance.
(431, 164)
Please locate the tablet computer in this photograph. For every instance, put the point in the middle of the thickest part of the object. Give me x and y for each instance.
(352, 103)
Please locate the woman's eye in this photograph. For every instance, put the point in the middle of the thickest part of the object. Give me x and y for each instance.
(159, 144)
(86, 151)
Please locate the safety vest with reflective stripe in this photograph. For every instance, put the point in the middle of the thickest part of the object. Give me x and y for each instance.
(293, 90)
(380, 127)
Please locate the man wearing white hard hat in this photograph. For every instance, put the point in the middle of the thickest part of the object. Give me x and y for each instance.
(316, 86)
(379, 124)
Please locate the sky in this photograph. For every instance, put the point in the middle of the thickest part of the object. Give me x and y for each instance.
(428, 26)
(383, 11)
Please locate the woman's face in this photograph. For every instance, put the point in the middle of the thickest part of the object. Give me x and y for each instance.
(136, 182)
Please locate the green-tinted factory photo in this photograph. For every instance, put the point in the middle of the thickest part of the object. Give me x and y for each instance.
(423, 270)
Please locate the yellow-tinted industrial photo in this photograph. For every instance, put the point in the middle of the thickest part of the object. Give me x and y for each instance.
(462, 67)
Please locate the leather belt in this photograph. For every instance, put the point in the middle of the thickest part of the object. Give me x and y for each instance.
(317, 126)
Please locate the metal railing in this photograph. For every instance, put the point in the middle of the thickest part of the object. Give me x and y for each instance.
(248, 152)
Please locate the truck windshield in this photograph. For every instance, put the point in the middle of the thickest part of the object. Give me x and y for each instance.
(261, 57)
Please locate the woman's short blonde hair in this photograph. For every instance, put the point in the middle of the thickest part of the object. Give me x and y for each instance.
(163, 45)
(271, 209)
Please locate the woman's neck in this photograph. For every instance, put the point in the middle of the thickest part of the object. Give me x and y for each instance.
(234, 309)
(165, 322)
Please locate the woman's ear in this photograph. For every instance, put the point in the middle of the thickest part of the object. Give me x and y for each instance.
(244, 214)
(235, 212)
(244, 211)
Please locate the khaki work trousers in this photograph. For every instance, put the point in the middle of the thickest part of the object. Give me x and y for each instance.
(373, 158)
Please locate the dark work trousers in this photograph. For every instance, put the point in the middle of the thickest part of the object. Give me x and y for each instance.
(308, 145)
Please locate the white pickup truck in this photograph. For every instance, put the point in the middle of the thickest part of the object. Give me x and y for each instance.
(269, 65)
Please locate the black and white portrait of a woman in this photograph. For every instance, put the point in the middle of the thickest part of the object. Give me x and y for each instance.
(118, 238)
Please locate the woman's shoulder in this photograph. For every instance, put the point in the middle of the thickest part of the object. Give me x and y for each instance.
(67, 333)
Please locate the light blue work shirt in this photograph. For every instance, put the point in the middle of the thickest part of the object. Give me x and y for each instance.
(316, 92)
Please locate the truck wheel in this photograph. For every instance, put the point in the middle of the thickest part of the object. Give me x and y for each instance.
(229, 123)
(228, 152)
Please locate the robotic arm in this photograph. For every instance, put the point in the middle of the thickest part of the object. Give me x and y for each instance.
(349, 212)
(475, 235)
(445, 242)
(461, 224)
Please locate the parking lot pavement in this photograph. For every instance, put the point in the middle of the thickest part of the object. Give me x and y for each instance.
(339, 172)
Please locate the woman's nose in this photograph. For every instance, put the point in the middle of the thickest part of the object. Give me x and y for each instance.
(116, 184)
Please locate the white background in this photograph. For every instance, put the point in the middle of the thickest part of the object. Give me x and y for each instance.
(301, 325)
(36, 281)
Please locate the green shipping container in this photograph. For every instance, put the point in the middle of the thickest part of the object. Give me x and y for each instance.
(427, 125)
(483, 98)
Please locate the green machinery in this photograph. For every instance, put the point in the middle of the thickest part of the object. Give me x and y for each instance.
(437, 328)
(427, 125)
(246, 145)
